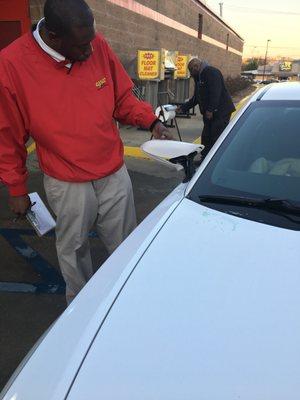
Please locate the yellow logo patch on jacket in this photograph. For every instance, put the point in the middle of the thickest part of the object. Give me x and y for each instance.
(101, 83)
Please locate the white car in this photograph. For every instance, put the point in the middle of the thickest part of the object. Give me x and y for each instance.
(202, 301)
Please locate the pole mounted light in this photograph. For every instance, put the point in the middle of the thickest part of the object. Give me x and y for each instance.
(269, 40)
(221, 9)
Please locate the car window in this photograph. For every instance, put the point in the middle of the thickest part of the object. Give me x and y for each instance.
(260, 157)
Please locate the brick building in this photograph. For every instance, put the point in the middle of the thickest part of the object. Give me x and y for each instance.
(187, 26)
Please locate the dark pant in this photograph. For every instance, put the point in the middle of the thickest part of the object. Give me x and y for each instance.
(211, 131)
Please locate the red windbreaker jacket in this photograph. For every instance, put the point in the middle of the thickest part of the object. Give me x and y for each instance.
(70, 114)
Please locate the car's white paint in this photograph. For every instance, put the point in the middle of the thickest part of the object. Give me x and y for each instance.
(196, 304)
(283, 91)
(208, 313)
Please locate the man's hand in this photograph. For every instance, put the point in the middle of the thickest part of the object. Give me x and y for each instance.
(209, 115)
(161, 132)
(19, 204)
(179, 110)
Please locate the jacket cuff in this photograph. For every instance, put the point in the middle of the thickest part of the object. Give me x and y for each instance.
(18, 190)
(148, 121)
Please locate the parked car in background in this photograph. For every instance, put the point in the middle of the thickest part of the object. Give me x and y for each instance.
(247, 78)
(202, 300)
(271, 80)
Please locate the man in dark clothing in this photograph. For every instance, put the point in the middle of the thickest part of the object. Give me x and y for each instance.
(214, 101)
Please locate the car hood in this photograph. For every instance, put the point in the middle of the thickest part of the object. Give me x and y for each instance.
(211, 311)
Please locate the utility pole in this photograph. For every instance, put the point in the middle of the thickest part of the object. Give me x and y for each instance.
(221, 9)
(269, 40)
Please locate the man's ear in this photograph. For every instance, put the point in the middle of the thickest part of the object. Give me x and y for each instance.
(52, 35)
(54, 38)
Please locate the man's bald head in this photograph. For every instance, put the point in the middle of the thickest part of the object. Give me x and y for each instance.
(69, 28)
(195, 66)
(195, 61)
(62, 16)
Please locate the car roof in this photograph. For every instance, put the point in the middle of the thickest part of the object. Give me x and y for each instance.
(279, 91)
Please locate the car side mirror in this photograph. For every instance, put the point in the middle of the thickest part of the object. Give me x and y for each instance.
(179, 155)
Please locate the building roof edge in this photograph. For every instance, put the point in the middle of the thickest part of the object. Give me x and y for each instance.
(210, 11)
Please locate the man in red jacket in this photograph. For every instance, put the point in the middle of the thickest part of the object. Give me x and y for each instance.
(63, 86)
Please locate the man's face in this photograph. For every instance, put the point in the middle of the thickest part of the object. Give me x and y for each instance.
(76, 46)
(194, 68)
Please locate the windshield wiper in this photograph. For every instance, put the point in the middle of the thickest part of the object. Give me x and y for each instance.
(267, 204)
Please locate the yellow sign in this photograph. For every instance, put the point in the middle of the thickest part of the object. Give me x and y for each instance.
(148, 64)
(285, 66)
(182, 66)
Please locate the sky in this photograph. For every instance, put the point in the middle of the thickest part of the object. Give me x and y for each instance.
(257, 21)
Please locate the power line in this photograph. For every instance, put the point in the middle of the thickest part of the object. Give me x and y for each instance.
(273, 47)
(260, 10)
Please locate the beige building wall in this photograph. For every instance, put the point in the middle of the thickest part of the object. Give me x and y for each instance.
(129, 29)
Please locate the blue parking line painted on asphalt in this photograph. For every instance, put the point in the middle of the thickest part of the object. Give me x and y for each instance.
(51, 279)
(17, 287)
(40, 265)
(31, 232)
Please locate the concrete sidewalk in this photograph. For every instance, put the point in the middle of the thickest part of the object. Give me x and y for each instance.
(189, 128)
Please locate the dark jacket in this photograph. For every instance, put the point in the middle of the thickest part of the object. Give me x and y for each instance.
(211, 94)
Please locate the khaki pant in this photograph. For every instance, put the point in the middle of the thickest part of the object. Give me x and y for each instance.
(108, 202)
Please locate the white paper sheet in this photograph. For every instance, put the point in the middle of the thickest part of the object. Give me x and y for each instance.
(39, 216)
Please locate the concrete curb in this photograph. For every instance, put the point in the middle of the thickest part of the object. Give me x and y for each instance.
(129, 151)
(134, 152)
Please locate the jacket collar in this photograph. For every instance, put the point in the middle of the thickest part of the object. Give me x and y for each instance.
(51, 52)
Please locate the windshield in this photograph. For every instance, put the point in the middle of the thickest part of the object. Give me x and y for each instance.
(260, 157)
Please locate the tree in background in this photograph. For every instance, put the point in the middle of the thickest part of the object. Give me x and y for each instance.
(250, 64)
